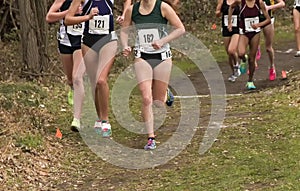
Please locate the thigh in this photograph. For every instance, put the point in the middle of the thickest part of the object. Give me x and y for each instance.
(226, 41)
(268, 34)
(144, 76)
(143, 70)
(242, 45)
(161, 75)
(67, 61)
(296, 18)
(234, 41)
(90, 58)
(106, 58)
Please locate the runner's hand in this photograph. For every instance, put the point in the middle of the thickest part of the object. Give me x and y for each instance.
(94, 11)
(229, 27)
(254, 26)
(218, 13)
(120, 20)
(79, 10)
(157, 44)
(126, 51)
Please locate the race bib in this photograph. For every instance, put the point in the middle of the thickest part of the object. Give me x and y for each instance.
(297, 3)
(75, 30)
(99, 24)
(249, 22)
(147, 36)
(166, 54)
(233, 20)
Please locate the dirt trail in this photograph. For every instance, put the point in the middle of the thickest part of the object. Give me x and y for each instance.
(284, 60)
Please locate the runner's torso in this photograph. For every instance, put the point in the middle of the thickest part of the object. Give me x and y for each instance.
(235, 15)
(248, 16)
(103, 23)
(150, 27)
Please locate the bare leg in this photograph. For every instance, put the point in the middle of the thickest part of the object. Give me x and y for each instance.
(106, 60)
(78, 72)
(242, 46)
(144, 76)
(296, 19)
(252, 55)
(232, 49)
(269, 35)
(67, 61)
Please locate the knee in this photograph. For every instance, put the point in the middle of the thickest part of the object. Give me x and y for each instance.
(269, 49)
(231, 51)
(251, 59)
(297, 29)
(159, 104)
(101, 82)
(241, 54)
(77, 80)
(147, 101)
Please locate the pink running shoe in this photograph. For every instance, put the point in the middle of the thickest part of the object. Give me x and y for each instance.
(272, 74)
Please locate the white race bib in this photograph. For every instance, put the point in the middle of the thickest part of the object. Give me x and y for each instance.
(147, 36)
(297, 2)
(234, 20)
(249, 22)
(166, 54)
(75, 30)
(99, 24)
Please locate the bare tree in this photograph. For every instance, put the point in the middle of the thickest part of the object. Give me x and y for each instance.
(34, 36)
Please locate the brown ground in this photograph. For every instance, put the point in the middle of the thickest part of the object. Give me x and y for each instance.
(284, 61)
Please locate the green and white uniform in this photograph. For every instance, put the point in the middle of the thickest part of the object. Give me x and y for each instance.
(150, 27)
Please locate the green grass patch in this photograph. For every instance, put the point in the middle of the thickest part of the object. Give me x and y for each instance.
(30, 141)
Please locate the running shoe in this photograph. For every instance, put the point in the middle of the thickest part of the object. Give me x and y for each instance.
(151, 145)
(297, 54)
(236, 70)
(98, 127)
(70, 97)
(106, 130)
(250, 86)
(232, 78)
(170, 98)
(272, 74)
(243, 65)
(75, 125)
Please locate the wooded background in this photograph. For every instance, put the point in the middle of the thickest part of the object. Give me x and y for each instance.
(23, 21)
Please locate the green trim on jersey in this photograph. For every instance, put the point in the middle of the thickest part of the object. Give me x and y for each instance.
(154, 17)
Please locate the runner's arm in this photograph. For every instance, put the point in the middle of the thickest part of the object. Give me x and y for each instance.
(126, 5)
(230, 12)
(71, 19)
(125, 31)
(267, 16)
(54, 14)
(278, 5)
(169, 13)
(218, 8)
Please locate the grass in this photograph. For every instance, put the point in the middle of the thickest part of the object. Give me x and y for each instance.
(259, 149)
(30, 141)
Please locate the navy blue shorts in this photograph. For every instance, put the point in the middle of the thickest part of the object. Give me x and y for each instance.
(63, 49)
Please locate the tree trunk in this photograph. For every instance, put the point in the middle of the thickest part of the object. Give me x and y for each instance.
(34, 36)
